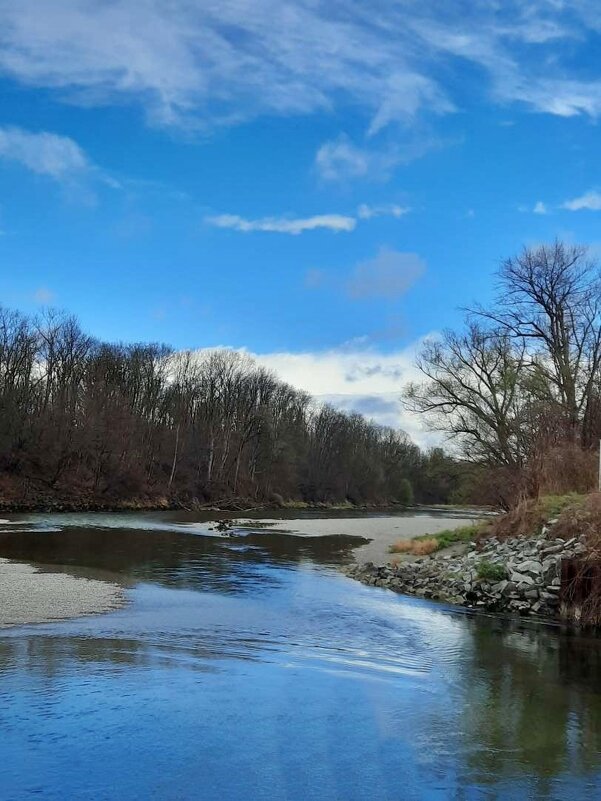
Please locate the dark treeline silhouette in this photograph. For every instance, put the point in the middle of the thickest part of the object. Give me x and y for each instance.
(519, 387)
(87, 422)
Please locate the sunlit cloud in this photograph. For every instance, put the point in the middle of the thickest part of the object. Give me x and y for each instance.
(357, 378)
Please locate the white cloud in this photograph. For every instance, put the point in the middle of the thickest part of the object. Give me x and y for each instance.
(331, 222)
(44, 153)
(366, 212)
(341, 159)
(557, 96)
(389, 275)
(298, 225)
(590, 201)
(540, 208)
(407, 94)
(217, 61)
(353, 378)
(223, 61)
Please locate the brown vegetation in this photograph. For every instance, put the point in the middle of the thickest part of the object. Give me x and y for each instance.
(89, 423)
(416, 547)
(519, 388)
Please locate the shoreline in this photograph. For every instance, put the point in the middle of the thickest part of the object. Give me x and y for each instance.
(165, 505)
(31, 596)
(518, 576)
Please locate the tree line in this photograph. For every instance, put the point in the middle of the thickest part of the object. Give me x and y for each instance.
(90, 422)
(518, 388)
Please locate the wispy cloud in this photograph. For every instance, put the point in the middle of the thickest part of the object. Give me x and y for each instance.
(366, 212)
(282, 225)
(389, 275)
(43, 295)
(341, 159)
(223, 62)
(45, 153)
(298, 225)
(540, 208)
(589, 201)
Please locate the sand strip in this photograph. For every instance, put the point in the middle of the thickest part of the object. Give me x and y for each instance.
(30, 596)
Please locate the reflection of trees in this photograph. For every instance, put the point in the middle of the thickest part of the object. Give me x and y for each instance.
(51, 656)
(533, 710)
(54, 657)
(228, 564)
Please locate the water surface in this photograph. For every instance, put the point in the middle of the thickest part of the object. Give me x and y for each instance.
(247, 667)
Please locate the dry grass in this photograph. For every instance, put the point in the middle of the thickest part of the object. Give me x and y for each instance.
(582, 520)
(528, 517)
(426, 544)
(416, 547)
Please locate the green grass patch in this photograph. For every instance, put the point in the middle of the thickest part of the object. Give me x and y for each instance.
(489, 571)
(553, 505)
(438, 540)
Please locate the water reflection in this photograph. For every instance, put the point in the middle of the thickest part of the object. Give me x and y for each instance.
(247, 668)
(225, 563)
(532, 701)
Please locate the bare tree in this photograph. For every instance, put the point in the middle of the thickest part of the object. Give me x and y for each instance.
(472, 391)
(550, 303)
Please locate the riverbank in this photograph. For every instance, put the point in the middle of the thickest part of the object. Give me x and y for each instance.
(29, 595)
(240, 506)
(515, 576)
(503, 574)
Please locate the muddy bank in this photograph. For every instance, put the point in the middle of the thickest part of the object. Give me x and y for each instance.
(28, 595)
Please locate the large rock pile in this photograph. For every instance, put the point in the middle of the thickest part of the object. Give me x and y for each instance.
(518, 575)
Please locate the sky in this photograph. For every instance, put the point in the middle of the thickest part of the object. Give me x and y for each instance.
(322, 184)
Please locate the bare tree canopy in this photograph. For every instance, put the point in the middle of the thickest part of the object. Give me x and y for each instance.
(522, 379)
(550, 303)
(472, 392)
(94, 422)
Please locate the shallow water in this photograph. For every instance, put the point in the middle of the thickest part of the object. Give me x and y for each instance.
(247, 667)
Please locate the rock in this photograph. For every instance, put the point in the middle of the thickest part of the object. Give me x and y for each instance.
(535, 568)
(532, 565)
(521, 578)
(551, 549)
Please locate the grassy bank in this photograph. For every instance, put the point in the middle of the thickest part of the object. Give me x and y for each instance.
(569, 512)
(430, 543)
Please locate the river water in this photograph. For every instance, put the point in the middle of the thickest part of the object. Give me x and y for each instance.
(247, 667)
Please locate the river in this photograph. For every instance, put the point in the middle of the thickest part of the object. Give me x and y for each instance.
(247, 667)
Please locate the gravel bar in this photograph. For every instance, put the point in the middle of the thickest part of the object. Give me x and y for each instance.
(28, 595)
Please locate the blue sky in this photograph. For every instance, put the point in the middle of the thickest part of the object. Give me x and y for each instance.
(320, 183)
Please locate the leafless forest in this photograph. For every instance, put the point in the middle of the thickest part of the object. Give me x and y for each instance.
(87, 423)
(517, 393)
